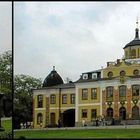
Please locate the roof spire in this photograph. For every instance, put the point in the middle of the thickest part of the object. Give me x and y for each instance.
(53, 68)
(137, 30)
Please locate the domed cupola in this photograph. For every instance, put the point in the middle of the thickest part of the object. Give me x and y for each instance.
(132, 49)
(52, 79)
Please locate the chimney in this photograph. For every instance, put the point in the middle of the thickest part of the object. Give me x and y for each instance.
(107, 64)
(118, 61)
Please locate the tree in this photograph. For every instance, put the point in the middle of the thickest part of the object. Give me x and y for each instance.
(6, 82)
(23, 85)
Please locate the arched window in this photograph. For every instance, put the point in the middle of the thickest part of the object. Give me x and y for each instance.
(122, 112)
(122, 73)
(136, 72)
(110, 74)
(109, 112)
(109, 92)
(39, 118)
(135, 112)
(135, 90)
(122, 91)
(133, 53)
(40, 101)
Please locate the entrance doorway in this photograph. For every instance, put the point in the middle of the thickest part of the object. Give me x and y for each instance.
(109, 112)
(122, 112)
(69, 118)
(52, 118)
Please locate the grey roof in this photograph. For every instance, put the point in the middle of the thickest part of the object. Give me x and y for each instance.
(67, 85)
(62, 86)
(132, 43)
(101, 79)
(99, 70)
(52, 79)
(90, 80)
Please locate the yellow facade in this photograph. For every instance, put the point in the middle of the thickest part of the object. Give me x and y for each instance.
(55, 108)
(122, 66)
(37, 110)
(132, 53)
(89, 108)
(89, 100)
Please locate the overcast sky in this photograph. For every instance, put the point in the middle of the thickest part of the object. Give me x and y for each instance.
(5, 26)
(75, 37)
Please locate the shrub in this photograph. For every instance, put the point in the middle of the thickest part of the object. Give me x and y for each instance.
(6, 135)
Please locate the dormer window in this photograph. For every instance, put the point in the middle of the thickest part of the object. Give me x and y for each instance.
(94, 75)
(85, 76)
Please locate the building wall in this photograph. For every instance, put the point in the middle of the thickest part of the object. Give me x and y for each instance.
(49, 108)
(116, 103)
(127, 52)
(89, 100)
(101, 103)
(37, 110)
(129, 69)
(89, 108)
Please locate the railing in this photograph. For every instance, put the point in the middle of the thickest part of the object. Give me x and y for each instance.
(109, 99)
(135, 97)
(123, 98)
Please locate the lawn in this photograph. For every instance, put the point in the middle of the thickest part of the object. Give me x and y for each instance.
(85, 134)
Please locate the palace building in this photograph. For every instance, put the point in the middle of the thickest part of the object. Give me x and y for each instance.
(111, 92)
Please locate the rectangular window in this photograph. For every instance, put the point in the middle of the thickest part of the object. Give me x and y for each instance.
(84, 113)
(94, 93)
(64, 99)
(122, 91)
(109, 92)
(40, 101)
(135, 90)
(72, 98)
(84, 94)
(93, 113)
(53, 99)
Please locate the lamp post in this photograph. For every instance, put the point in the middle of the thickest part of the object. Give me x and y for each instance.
(1, 95)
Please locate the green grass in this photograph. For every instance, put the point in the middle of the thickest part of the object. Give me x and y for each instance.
(94, 133)
(7, 124)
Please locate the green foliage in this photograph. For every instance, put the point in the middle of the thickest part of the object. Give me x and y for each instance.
(6, 135)
(6, 72)
(23, 85)
(6, 82)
